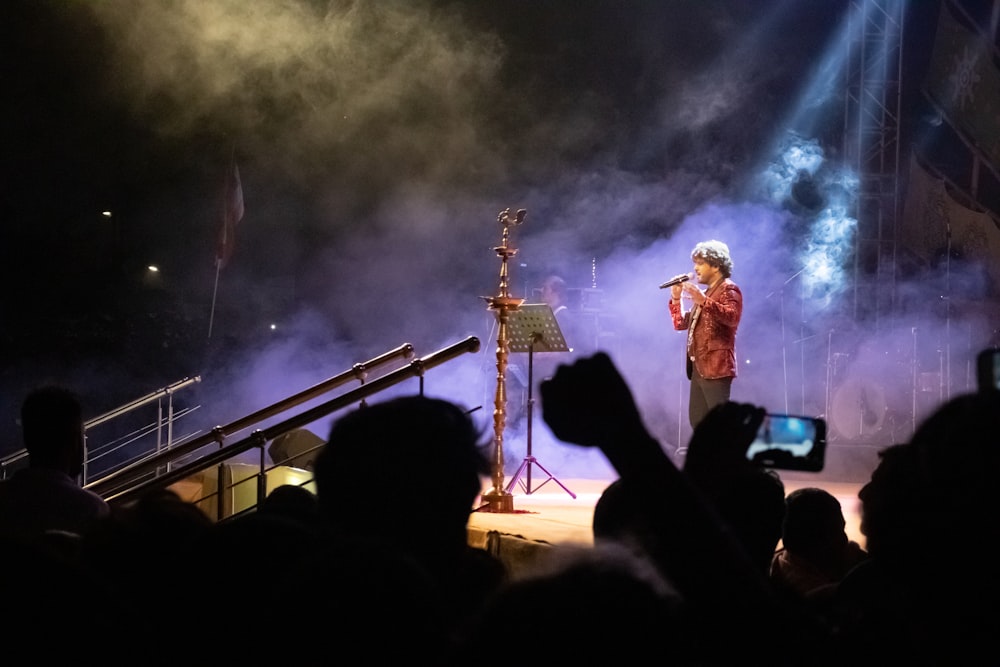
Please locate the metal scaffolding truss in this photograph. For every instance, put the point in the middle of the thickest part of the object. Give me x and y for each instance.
(872, 148)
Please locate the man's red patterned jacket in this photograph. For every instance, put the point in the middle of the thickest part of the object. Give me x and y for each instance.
(712, 342)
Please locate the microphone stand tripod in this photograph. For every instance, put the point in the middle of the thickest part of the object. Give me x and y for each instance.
(534, 324)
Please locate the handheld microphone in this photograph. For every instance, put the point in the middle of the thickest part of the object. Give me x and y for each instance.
(676, 281)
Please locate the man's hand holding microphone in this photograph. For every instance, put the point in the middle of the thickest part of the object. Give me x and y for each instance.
(683, 284)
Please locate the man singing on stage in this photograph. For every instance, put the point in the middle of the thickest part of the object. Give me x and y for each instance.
(711, 325)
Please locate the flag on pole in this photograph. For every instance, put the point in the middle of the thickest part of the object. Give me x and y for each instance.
(232, 213)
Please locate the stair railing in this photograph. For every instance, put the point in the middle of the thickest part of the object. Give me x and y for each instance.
(120, 489)
(152, 464)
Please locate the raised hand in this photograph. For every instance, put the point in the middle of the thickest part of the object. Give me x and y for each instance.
(588, 403)
(722, 437)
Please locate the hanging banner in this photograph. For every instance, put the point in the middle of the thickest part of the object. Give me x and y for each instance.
(964, 84)
(931, 212)
(924, 224)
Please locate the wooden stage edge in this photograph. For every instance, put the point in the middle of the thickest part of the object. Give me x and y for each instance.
(550, 516)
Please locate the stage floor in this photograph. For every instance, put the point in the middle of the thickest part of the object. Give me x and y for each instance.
(549, 515)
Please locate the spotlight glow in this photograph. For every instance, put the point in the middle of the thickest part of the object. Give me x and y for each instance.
(797, 156)
(827, 252)
(832, 193)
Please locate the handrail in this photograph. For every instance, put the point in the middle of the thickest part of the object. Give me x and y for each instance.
(415, 368)
(13, 457)
(139, 402)
(21, 454)
(218, 434)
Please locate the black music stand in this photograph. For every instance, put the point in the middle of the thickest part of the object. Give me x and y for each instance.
(533, 326)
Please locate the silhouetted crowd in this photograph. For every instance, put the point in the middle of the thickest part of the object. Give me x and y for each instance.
(711, 564)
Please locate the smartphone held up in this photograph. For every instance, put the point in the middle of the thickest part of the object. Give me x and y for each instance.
(790, 442)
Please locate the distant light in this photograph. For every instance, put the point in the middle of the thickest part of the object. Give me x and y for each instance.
(106, 214)
(747, 362)
(153, 268)
(274, 327)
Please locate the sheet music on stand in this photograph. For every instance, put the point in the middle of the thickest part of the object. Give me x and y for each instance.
(535, 323)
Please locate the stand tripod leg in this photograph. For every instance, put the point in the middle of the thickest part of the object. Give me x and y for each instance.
(526, 467)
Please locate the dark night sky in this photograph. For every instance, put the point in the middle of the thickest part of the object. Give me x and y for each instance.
(377, 143)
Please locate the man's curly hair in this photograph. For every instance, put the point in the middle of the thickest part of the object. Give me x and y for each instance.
(715, 253)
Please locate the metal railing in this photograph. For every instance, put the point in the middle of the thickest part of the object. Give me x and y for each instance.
(162, 426)
(137, 470)
(155, 472)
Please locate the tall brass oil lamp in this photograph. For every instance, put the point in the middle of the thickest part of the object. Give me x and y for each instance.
(498, 499)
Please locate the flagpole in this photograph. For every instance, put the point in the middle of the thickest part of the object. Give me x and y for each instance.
(215, 290)
(232, 213)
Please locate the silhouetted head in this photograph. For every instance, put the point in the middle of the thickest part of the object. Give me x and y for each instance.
(292, 501)
(52, 429)
(414, 459)
(814, 521)
(944, 477)
(957, 447)
(958, 455)
(622, 516)
(890, 501)
(753, 503)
